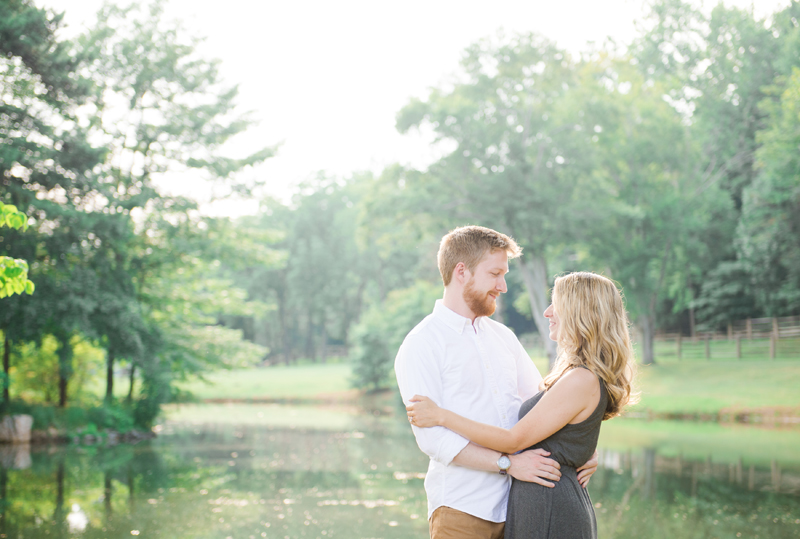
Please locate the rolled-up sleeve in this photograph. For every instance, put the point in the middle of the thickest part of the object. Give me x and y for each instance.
(419, 372)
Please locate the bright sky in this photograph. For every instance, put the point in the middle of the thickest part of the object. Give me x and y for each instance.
(326, 79)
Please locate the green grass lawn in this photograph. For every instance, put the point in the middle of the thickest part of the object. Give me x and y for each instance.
(669, 388)
(278, 382)
(708, 387)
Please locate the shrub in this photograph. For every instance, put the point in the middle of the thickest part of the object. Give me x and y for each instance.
(381, 330)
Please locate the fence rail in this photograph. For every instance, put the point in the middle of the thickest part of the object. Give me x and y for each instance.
(775, 338)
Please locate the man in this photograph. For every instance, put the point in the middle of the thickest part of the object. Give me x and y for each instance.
(476, 367)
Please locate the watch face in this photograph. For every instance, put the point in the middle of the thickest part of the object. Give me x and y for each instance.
(503, 462)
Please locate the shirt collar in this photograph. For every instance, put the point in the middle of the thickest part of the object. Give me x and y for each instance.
(454, 320)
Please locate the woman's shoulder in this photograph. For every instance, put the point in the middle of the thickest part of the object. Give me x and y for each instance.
(579, 379)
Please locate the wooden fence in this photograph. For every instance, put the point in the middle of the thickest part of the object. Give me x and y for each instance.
(744, 339)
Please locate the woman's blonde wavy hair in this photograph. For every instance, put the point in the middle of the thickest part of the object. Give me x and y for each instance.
(594, 333)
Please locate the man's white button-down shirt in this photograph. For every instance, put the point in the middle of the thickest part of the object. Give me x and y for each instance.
(480, 371)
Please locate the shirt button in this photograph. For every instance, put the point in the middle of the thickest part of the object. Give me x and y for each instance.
(495, 392)
(504, 416)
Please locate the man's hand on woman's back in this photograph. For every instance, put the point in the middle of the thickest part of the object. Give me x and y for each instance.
(534, 467)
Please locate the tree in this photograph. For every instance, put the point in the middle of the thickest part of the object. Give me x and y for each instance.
(715, 71)
(160, 108)
(319, 285)
(13, 280)
(381, 331)
(770, 223)
(519, 145)
(43, 165)
(652, 199)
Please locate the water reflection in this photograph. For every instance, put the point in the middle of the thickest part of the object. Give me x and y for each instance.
(358, 475)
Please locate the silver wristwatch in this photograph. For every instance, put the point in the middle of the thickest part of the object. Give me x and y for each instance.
(504, 463)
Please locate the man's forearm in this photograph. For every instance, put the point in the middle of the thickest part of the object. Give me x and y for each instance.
(477, 458)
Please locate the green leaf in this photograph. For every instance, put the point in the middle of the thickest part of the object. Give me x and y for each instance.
(13, 272)
(30, 287)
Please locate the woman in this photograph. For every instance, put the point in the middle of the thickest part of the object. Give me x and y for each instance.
(590, 382)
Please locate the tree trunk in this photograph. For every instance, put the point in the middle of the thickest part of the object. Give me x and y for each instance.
(110, 376)
(534, 275)
(132, 380)
(647, 324)
(324, 342)
(65, 353)
(282, 316)
(62, 391)
(6, 367)
(310, 349)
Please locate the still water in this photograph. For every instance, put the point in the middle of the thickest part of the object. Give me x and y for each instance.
(280, 471)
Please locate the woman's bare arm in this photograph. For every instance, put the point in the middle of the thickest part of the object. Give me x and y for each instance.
(573, 394)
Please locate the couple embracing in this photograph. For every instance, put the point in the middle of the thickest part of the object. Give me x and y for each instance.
(511, 453)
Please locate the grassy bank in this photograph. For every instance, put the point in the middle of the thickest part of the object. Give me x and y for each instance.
(672, 388)
(301, 382)
(719, 386)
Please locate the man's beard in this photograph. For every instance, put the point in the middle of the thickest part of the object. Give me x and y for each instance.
(479, 302)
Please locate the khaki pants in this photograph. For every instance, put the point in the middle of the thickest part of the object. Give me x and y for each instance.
(449, 523)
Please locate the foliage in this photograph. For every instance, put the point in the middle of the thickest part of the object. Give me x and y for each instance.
(111, 256)
(670, 165)
(35, 370)
(520, 140)
(86, 419)
(381, 331)
(726, 296)
(13, 271)
(770, 224)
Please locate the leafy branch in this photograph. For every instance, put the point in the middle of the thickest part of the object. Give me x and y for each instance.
(13, 271)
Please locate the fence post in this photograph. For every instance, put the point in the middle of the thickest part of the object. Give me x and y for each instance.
(773, 344)
(738, 346)
(749, 329)
(708, 348)
(775, 328)
(678, 342)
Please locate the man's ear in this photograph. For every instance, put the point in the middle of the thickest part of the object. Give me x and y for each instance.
(460, 273)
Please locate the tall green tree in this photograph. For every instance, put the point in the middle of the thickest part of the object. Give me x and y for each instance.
(519, 146)
(161, 108)
(769, 230)
(650, 195)
(13, 280)
(44, 163)
(318, 288)
(715, 70)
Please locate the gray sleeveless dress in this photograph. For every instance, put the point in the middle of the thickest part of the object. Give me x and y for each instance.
(565, 511)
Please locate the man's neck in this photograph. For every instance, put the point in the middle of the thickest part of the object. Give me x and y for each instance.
(454, 300)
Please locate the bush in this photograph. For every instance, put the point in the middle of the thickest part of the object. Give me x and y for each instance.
(155, 392)
(111, 417)
(381, 330)
(74, 418)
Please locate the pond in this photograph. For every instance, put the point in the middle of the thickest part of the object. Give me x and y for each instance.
(281, 471)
